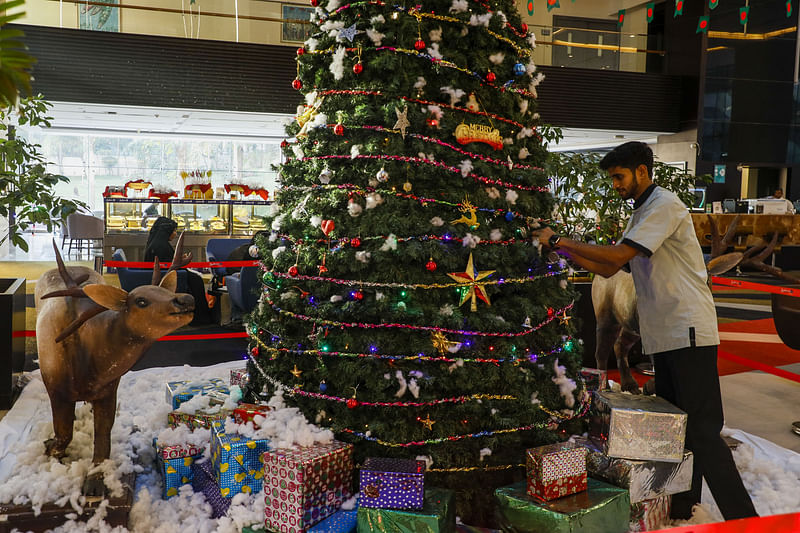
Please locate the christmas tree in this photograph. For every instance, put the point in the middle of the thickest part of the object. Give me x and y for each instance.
(404, 304)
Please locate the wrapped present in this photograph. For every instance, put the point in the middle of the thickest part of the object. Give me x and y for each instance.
(203, 481)
(556, 470)
(644, 480)
(176, 451)
(176, 471)
(438, 515)
(342, 521)
(392, 483)
(305, 485)
(601, 508)
(594, 379)
(634, 426)
(239, 376)
(181, 391)
(200, 419)
(649, 515)
(246, 412)
(237, 461)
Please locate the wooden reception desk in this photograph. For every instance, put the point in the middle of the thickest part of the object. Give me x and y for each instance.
(751, 229)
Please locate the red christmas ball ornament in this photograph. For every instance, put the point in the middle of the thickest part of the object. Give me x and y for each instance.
(419, 44)
(301, 51)
(430, 266)
(550, 312)
(524, 28)
(490, 77)
(297, 84)
(323, 269)
(358, 295)
(284, 143)
(355, 242)
(352, 403)
(338, 129)
(433, 123)
(255, 351)
(358, 68)
(293, 270)
(314, 3)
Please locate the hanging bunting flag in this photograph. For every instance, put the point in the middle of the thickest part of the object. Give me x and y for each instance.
(551, 4)
(788, 8)
(678, 8)
(651, 7)
(702, 25)
(744, 14)
(713, 4)
(530, 7)
(620, 18)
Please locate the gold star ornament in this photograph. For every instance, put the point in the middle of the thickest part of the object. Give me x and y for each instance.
(427, 422)
(474, 291)
(563, 319)
(402, 121)
(296, 372)
(441, 343)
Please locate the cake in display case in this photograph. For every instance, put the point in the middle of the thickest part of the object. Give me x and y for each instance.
(249, 216)
(200, 216)
(132, 215)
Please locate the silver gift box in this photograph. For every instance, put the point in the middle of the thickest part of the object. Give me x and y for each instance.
(645, 480)
(634, 426)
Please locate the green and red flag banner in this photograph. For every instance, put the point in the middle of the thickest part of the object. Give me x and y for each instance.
(702, 25)
(712, 4)
(678, 8)
(551, 4)
(620, 18)
(744, 14)
(788, 8)
(530, 7)
(651, 6)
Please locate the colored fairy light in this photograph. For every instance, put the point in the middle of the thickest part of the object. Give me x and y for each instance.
(373, 349)
(324, 348)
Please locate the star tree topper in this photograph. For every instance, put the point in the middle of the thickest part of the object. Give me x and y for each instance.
(471, 274)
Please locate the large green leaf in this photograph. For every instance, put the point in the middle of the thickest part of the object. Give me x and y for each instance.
(15, 62)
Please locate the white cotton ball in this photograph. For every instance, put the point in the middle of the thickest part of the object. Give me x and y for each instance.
(471, 240)
(530, 68)
(298, 151)
(563, 284)
(466, 167)
(524, 132)
(497, 58)
(336, 298)
(511, 196)
(494, 411)
(435, 35)
(278, 251)
(459, 6)
(378, 296)
(427, 459)
(390, 243)
(332, 27)
(373, 200)
(480, 20)
(523, 105)
(535, 399)
(316, 221)
(355, 151)
(433, 51)
(273, 236)
(565, 385)
(387, 376)
(436, 111)
(403, 384)
(375, 36)
(532, 39)
(311, 97)
(363, 257)
(495, 235)
(492, 193)
(377, 19)
(288, 295)
(455, 94)
(523, 153)
(276, 224)
(353, 209)
(484, 452)
(464, 31)
(311, 44)
(320, 119)
(333, 5)
(437, 221)
(508, 141)
(502, 17)
(413, 388)
(420, 83)
(446, 310)
(325, 176)
(337, 63)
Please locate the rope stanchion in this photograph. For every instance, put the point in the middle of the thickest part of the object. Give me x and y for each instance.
(759, 366)
(762, 287)
(194, 264)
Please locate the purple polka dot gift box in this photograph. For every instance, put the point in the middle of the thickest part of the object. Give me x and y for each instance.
(392, 483)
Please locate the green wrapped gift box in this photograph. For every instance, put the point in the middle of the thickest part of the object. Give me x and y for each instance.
(601, 508)
(438, 515)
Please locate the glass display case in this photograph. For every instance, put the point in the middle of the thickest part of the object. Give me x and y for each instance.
(132, 215)
(249, 216)
(201, 216)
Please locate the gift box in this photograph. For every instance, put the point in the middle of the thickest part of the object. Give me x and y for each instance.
(239, 376)
(635, 426)
(236, 461)
(392, 483)
(181, 391)
(203, 481)
(645, 480)
(175, 466)
(245, 412)
(601, 508)
(341, 521)
(594, 379)
(305, 485)
(650, 515)
(200, 419)
(438, 515)
(556, 470)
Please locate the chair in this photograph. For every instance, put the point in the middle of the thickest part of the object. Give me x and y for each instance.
(84, 228)
(130, 278)
(219, 250)
(242, 289)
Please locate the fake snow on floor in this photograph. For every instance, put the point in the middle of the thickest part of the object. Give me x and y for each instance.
(770, 473)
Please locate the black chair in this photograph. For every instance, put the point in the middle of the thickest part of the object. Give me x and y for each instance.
(130, 278)
(243, 289)
(219, 250)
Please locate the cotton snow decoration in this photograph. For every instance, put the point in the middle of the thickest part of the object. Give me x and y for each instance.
(420, 83)
(312, 44)
(378, 19)
(485, 452)
(457, 364)
(446, 310)
(278, 222)
(471, 240)
(401, 380)
(316, 221)
(363, 256)
(332, 6)
(480, 20)
(273, 236)
(390, 243)
(497, 58)
(523, 153)
(373, 200)
(355, 151)
(336, 298)
(353, 209)
(466, 167)
(337, 63)
(413, 388)
(435, 35)
(565, 385)
(492, 193)
(375, 36)
(278, 251)
(298, 151)
(459, 6)
(563, 284)
(379, 296)
(535, 398)
(464, 31)
(454, 94)
(433, 51)
(525, 132)
(332, 27)
(437, 221)
(495, 235)
(436, 111)
(511, 196)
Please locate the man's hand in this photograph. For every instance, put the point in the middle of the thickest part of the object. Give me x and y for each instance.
(543, 235)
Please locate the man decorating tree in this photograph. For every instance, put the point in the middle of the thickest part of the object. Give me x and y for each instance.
(678, 321)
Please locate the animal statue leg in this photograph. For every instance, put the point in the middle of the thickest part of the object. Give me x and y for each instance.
(622, 347)
(104, 413)
(605, 337)
(63, 420)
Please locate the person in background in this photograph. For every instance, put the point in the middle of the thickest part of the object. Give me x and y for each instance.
(778, 195)
(677, 318)
(158, 245)
(242, 253)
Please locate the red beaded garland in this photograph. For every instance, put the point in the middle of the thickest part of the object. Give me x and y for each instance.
(293, 270)
(490, 77)
(419, 44)
(297, 84)
(355, 242)
(338, 129)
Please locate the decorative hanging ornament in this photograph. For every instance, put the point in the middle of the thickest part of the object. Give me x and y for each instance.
(519, 69)
(355, 242)
(352, 403)
(678, 8)
(338, 129)
(325, 175)
(284, 144)
(296, 372)
(473, 291)
(427, 422)
(490, 77)
(509, 216)
(255, 351)
(293, 270)
(322, 268)
(327, 226)
(472, 219)
(253, 251)
(524, 28)
(407, 186)
(358, 68)
(297, 84)
(301, 51)
(702, 25)
(441, 343)
(651, 10)
(472, 103)
(402, 121)
(563, 319)
(323, 386)
(430, 266)
(358, 295)
(314, 3)
(550, 312)
(432, 122)
(552, 4)
(419, 45)
(479, 133)
(382, 176)
(530, 7)
(712, 4)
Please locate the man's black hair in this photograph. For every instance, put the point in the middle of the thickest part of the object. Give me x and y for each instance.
(629, 155)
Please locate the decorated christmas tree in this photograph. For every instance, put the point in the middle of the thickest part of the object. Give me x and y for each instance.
(404, 305)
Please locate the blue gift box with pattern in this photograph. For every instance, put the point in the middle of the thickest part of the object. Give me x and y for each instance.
(341, 522)
(182, 391)
(238, 466)
(392, 483)
(175, 465)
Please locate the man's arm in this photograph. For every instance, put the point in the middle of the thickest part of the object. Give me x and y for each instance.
(603, 260)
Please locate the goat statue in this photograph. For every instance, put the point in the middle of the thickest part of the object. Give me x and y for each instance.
(92, 336)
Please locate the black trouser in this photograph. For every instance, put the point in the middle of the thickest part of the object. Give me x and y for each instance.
(197, 288)
(688, 379)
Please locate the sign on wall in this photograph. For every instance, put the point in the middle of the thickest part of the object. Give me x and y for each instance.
(719, 173)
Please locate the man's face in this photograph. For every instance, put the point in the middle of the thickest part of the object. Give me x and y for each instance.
(778, 194)
(625, 182)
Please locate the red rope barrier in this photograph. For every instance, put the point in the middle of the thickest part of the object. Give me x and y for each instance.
(739, 284)
(759, 366)
(197, 264)
(195, 337)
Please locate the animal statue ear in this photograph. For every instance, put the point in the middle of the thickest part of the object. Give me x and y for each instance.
(170, 281)
(108, 296)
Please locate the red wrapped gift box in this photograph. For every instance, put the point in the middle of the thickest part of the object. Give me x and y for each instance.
(556, 470)
(246, 412)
